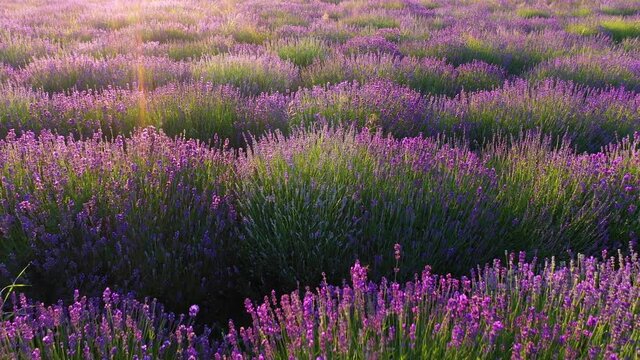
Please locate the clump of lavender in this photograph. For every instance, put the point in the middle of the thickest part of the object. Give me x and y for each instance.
(253, 74)
(86, 73)
(515, 50)
(601, 71)
(147, 213)
(590, 117)
(587, 308)
(373, 20)
(339, 68)
(347, 193)
(478, 75)
(425, 75)
(519, 309)
(371, 44)
(18, 51)
(378, 104)
(205, 111)
(115, 326)
(197, 110)
(301, 51)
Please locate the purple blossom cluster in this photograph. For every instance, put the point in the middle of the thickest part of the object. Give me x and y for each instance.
(113, 326)
(516, 309)
(590, 117)
(143, 213)
(510, 310)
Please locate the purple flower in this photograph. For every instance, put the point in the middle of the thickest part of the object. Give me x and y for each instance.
(193, 310)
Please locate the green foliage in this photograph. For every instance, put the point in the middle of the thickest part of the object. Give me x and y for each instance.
(621, 29)
(302, 52)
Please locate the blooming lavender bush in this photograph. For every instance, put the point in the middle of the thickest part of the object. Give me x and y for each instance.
(302, 52)
(19, 51)
(198, 110)
(114, 326)
(584, 309)
(591, 118)
(145, 214)
(251, 73)
(425, 75)
(611, 70)
(86, 73)
(378, 104)
(347, 194)
(375, 44)
(205, 111)
(478, 75)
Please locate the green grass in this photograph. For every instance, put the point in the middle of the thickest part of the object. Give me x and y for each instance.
(621, 10)
(302, 52)
(621, 29)
(373, 21)
(530, 13)
(582, 29)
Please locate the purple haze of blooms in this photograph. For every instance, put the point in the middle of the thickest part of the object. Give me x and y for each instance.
(515, 309)
(374, 44)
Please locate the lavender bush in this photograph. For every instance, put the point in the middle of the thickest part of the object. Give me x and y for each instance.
(514, 310)
(613, 70)
(518, 309)
(252, 73)
(143, 214)
(86, 73)
(347, 193)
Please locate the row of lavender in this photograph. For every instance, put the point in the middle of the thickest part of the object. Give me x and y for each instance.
(189, 223)
(306, 44)
(587, 309)
(259, 70)
(512, 33)
(159, 49)
(591, 118)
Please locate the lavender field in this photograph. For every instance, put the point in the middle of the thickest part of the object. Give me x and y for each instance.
(319, 179)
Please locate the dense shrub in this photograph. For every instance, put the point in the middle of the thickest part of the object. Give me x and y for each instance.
(253, 74)
(346, 194)
(144, 214)
(595, 71)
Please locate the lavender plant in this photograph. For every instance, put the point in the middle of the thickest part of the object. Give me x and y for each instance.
(612, 70)
(586, 308)
(251, 73)
(144, 214)
(346, 193)
(516, 309)
(302, 52)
